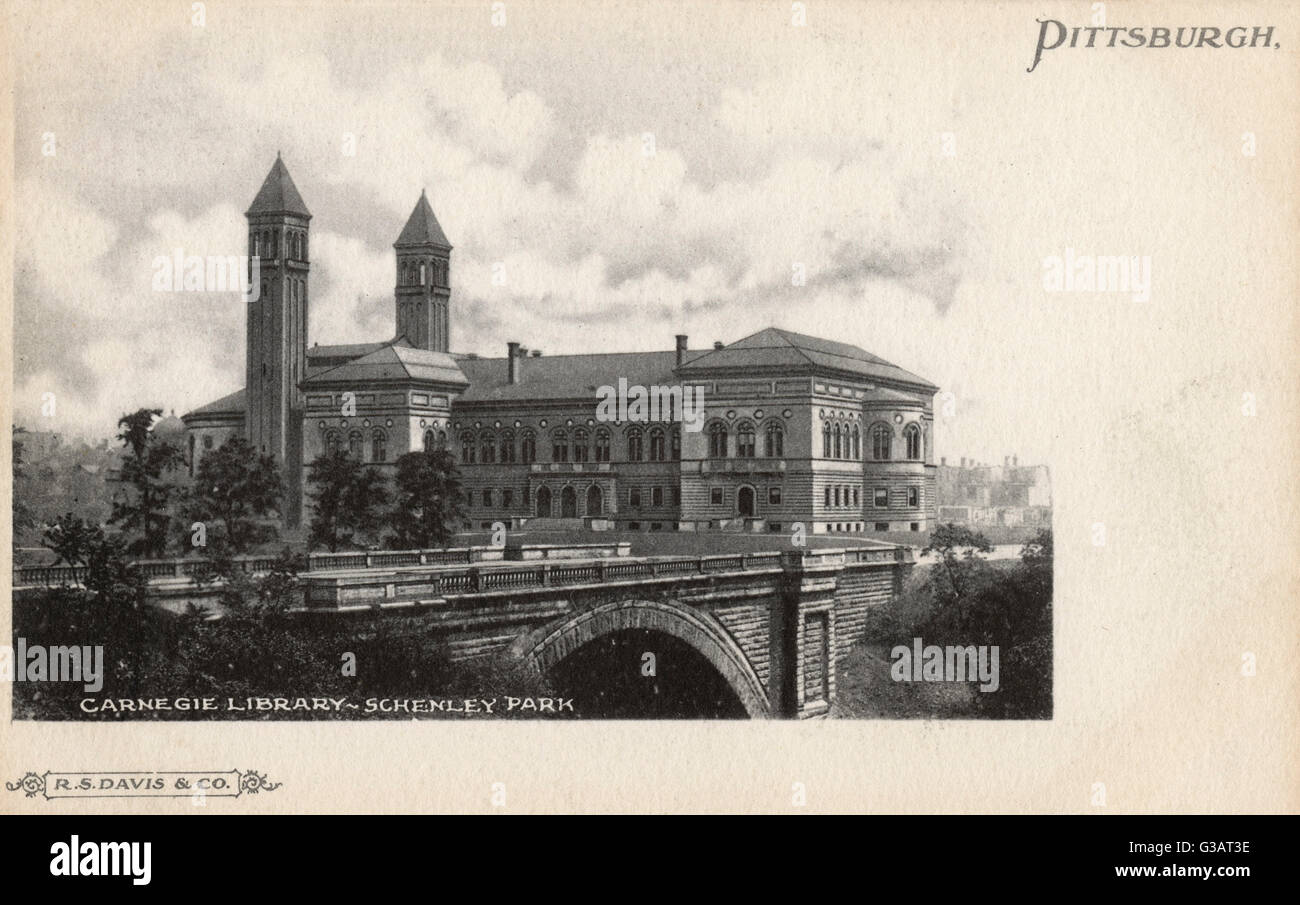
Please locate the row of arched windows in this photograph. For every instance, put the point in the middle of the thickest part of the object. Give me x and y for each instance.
(356, 445)
(746, 445)
(266, 243)
(842, 495)
(576, 445)
(842, 441)
(418, 273)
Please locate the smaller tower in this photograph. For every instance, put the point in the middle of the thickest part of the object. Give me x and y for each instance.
(423, 290)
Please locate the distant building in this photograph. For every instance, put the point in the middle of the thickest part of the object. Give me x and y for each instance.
(1010, 495)
(794, 429)
(38, 445)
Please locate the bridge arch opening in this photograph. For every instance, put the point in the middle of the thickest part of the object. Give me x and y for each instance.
(646, 659)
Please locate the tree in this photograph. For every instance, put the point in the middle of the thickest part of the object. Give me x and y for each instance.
(24, 515)
(240, 491)
(959, 570)
(72, 539)
(146, 510)
(430, 500)
(348, 500)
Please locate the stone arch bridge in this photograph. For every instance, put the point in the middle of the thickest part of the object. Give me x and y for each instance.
(769, 625)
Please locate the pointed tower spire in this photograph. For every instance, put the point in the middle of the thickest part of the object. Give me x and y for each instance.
(423, 295)
(278, 194)
(422, 227)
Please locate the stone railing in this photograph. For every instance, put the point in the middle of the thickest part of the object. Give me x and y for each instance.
(409, 588)
(163, 569)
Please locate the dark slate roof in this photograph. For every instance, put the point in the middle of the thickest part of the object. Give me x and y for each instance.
(783, 349)
(422, 227)
(278, 194)
(347, 350)
(565, 376)
(393, 362)
(235, 403)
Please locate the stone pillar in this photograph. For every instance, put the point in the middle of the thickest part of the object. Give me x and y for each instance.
(802, 681)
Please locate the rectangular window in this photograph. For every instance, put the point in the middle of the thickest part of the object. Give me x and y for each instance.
(715, 496)
(774, 495)
(487, 498)
(677, 496)
(634, 497)
(855, 496)
(913, 497)
(881, 499)
(828, 497)
(507, 498)
(882, 526)
(656, 496)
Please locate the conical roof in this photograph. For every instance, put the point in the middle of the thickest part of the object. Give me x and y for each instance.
(422, 227)
(278, 194)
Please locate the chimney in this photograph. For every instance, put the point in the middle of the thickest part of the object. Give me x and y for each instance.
(1015, 461)
(512, 363)
(717, 344)
(536, 353)
(963, 461)
(943, 460)
(1006, 461)
(681, 348)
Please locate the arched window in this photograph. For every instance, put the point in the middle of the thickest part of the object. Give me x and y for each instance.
(429, 441)
(677, 444)
(656, 445)
(507, 447)
(543, 502)
(333, 440)
(912, 436)
(442, 440)
(528, 448)
(881, 437)
(559, 447)
(634, 441)
(717, 440)
(378, 446)
(835, 435)
(354, 445)
(826, 440)
(857, 443)
(581, 451)
(487, 449)
(774, 442)
(602, 445)
(467, 448)
(745, 440)
(422, 272)
(257, 245)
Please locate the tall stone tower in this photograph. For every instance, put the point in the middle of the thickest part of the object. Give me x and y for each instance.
(423, 280)
(276, 359)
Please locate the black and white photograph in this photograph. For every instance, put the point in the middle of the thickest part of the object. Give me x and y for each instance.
(922, 373)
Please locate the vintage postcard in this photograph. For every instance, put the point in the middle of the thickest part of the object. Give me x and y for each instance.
(651, 406)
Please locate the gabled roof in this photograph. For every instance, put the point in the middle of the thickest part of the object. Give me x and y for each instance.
(278, 194)
(565, 376)
(422, 227)
(393, 363)
(774, 347)
(234, 404)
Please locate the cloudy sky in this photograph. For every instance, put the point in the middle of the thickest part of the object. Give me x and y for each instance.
(917, 174)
